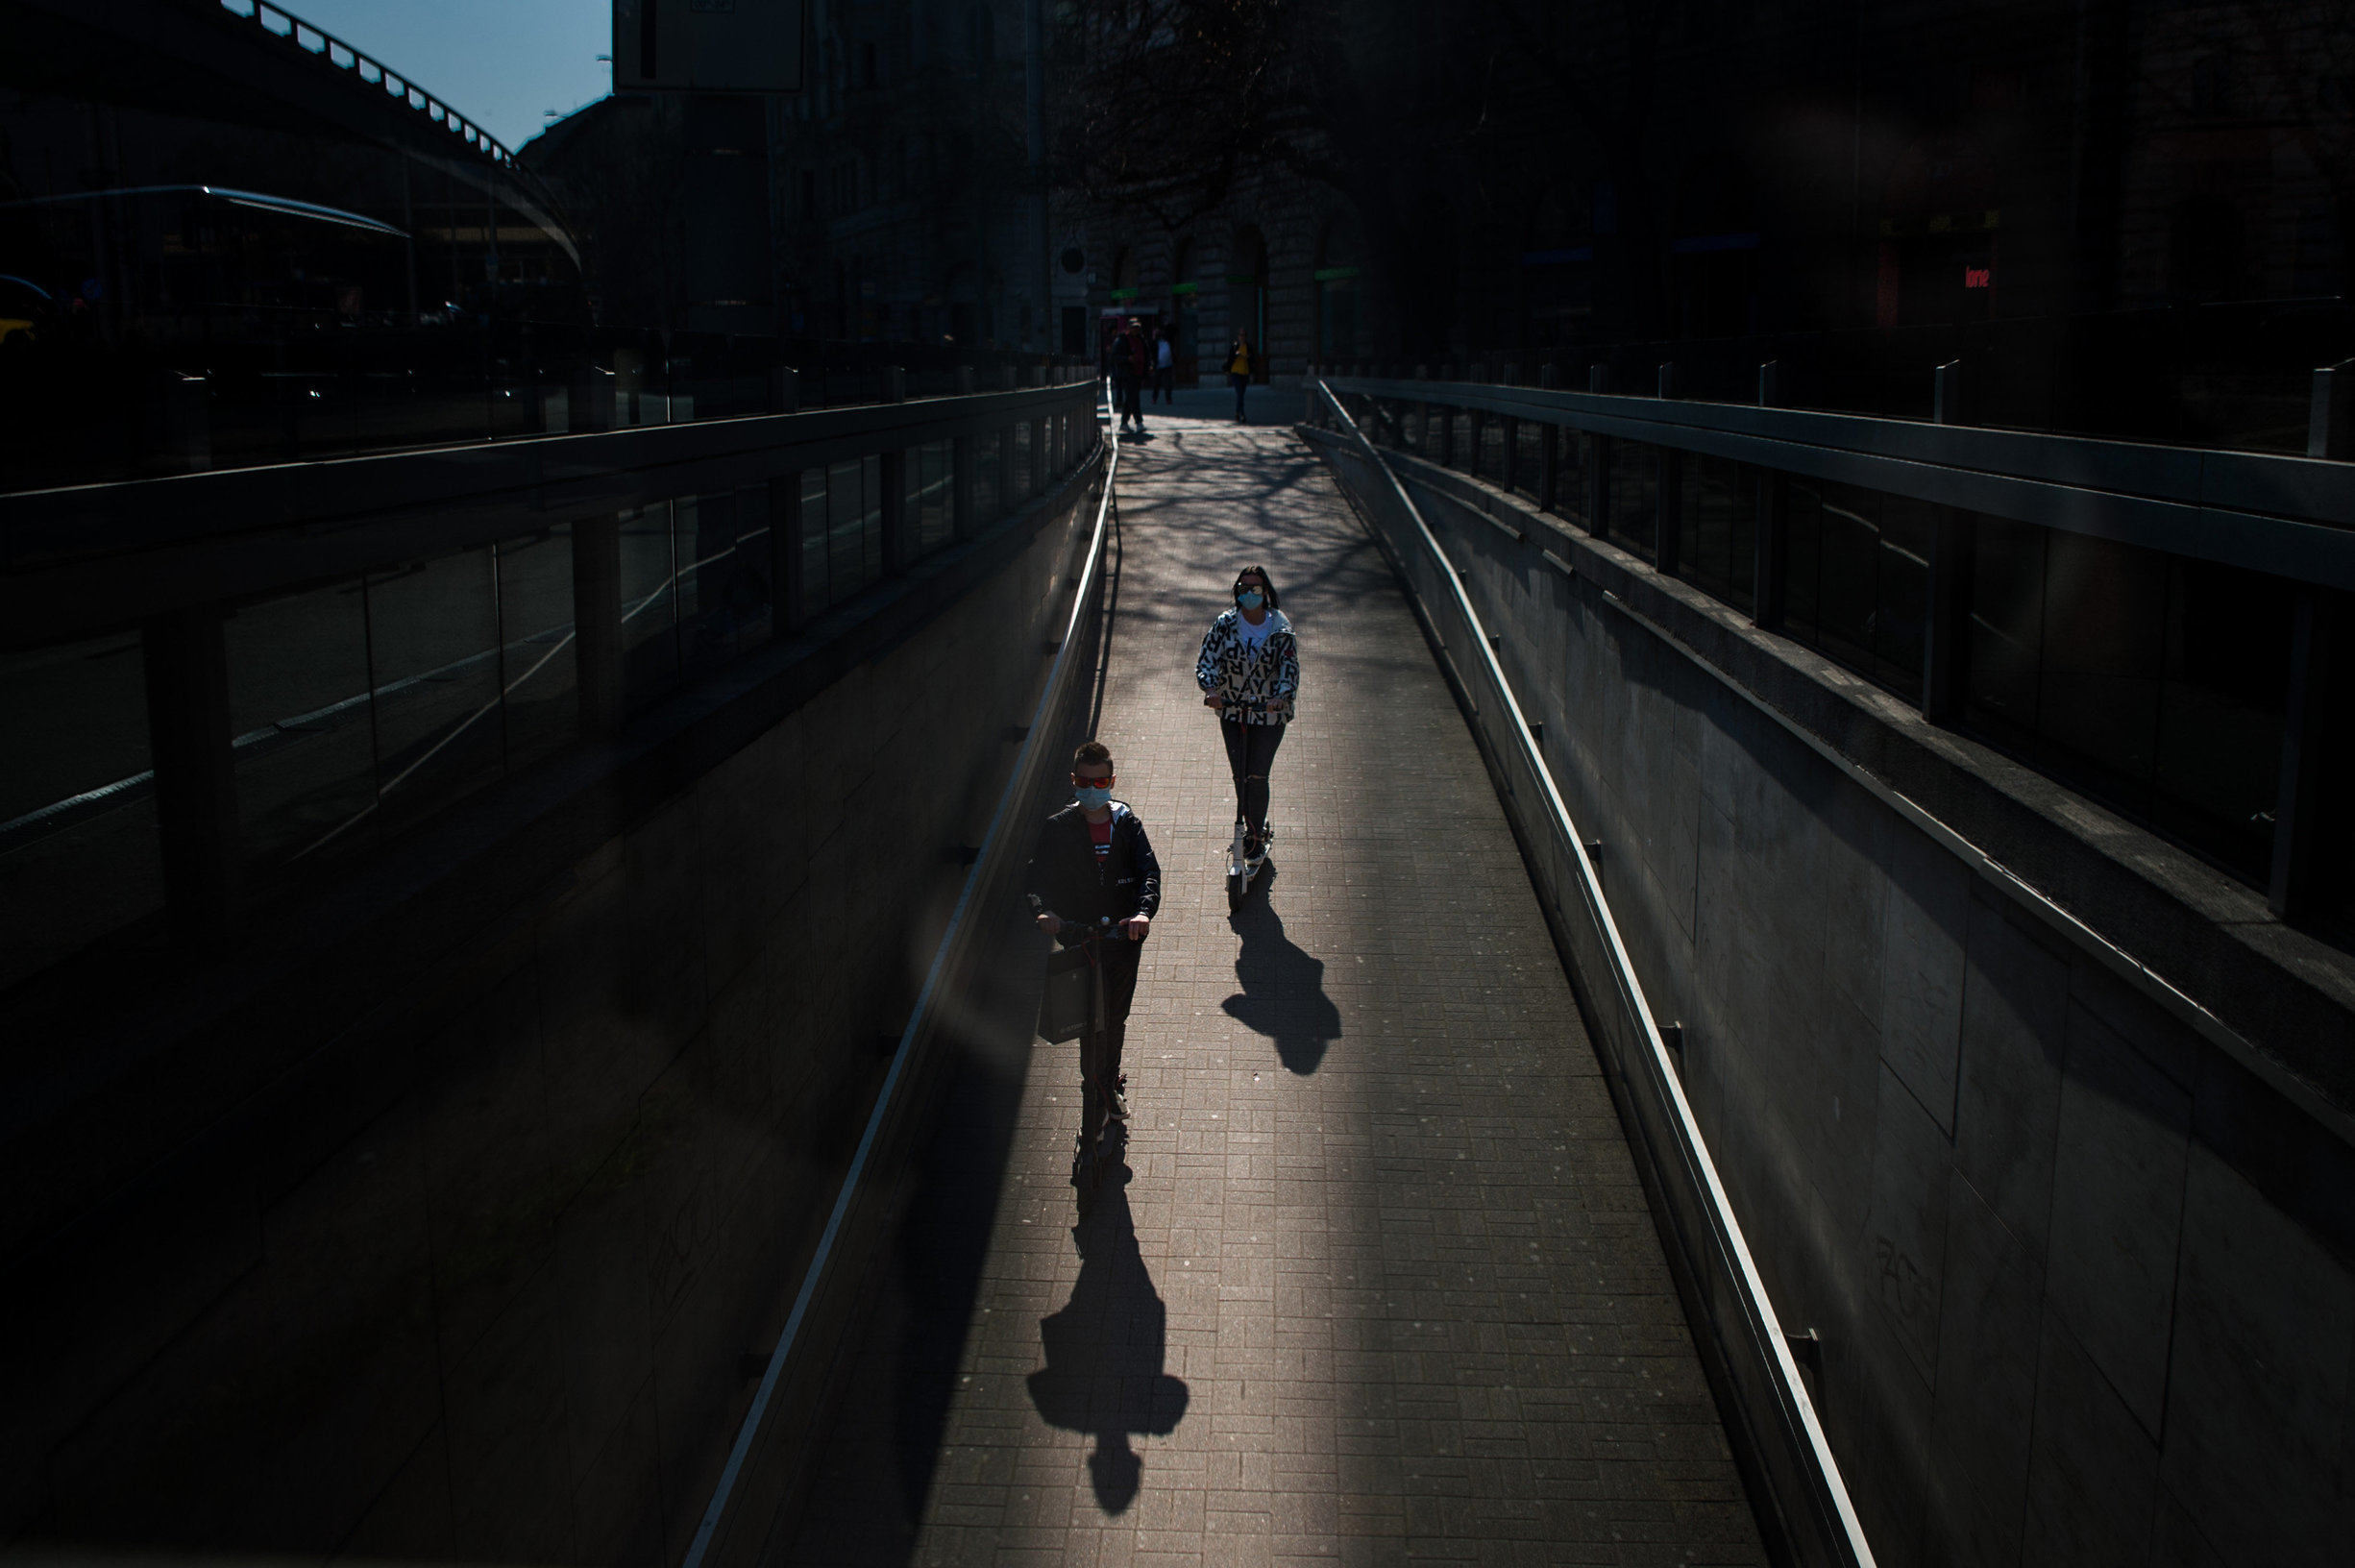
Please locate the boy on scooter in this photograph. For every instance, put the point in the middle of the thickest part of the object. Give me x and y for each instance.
(1093, 864)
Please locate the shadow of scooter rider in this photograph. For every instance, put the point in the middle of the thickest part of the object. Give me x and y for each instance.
(1284, 988)
(1104, 1354)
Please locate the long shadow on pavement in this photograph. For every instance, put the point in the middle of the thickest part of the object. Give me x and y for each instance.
(1105, 1351)
(1284, 984)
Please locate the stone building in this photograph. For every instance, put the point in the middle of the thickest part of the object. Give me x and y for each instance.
(1543, 182)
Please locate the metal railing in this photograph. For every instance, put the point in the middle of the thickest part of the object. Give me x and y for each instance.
(722, 1535)
(228, 681)
(1742, 1337)
(1991, 562)
(290, 31)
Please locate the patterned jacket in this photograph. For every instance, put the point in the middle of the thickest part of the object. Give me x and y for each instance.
(1244, 674)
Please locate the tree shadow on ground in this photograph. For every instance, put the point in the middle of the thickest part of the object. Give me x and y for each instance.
(1104, 1351)
(1284, 986)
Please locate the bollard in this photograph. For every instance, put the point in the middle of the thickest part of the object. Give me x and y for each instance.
(1670, 383)
(1768, 389)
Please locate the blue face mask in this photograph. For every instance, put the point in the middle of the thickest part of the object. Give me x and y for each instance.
(1251, 600)
(1093, 798)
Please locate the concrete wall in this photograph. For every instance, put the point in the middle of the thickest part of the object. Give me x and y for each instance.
(2084, 1273)
(478, 1278)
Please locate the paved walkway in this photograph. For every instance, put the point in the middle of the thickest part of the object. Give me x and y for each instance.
(1381, 1283)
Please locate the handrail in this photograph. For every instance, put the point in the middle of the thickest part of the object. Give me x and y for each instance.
(2267, 512)
(945, 960)
(245, 531)
(1826, 1518)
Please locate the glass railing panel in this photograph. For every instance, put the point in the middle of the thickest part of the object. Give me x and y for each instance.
(300, 712)
(870, 520)
(78, 849)
(845, 529)
(539, 668)
(817, 555)
(649, 604)
(988, 492)
(434, 650)
(1529, 456)
(931, 468)
(1716, 535)
(723, 576)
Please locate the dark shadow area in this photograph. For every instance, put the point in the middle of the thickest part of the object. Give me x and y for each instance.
(864, 1498)
(1284, 984)
(1104, 1351)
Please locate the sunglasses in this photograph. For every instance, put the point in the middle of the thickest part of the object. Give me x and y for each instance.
(1078, 779)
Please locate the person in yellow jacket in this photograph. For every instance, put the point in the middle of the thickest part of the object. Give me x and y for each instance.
(1238, 372)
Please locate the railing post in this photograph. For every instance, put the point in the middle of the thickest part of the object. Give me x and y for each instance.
(1447, 423)
(1946, 394)
(1773, 505)
(196, 782)
(2308, 832)
(1669, 513)
(898, 542)
(1422, 373)
(1599, 462)
(784, 391)
(597, 623)
(1946, 639)
(891, 476)
(963, 496)
(786, 568)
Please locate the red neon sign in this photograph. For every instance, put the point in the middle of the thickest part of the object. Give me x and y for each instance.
(1979, 278)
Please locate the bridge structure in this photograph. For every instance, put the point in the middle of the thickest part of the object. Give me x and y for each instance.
(520, 1025)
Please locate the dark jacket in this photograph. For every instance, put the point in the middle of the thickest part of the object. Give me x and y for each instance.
(1064, 879)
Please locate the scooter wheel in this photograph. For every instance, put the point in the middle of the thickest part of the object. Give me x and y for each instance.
(1237, 886)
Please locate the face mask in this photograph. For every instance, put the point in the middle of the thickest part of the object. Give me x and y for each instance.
(1251, 600)
(1093, 798)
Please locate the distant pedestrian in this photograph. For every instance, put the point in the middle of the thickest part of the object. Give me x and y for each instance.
(1239, 365)
(1164, 367)
(1128, 362)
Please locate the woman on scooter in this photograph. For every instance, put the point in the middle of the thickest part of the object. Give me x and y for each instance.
(1250, 671)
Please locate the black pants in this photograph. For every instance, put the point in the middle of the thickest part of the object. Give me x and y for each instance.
(1099, 1053)
(1130, 407)
(1241, 385)
(1251, 750)
(1164, 383)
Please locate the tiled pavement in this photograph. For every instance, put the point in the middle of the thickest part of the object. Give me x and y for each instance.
(1381, 1283)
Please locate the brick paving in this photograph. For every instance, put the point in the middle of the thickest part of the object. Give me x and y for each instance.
(1381, 1283)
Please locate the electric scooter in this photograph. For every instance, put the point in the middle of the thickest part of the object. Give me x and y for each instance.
(1243, 868)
